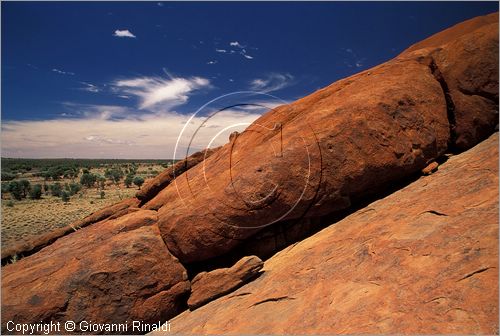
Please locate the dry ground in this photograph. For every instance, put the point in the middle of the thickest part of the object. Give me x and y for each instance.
(28, 218)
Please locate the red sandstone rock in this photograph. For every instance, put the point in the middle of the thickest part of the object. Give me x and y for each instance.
(431, 167)
(352, 138)
(423, 260)
(208, 286)
(112, 271)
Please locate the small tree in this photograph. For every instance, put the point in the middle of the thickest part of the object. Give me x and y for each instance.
(74, 188)
(36, 192)
(102, 181)
(65, 196)
(25, 187)
(88, 179)
(138, 181)
(102, 193)
(129, 180)
(15, 190)
(114, 175)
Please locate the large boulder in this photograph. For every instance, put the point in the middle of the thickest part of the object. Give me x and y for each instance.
(465, 61)
(319, 154)
(110, 272)
(423, 260)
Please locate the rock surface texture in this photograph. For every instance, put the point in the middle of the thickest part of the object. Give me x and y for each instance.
(110, 272)
(207, 286)
(420, 261)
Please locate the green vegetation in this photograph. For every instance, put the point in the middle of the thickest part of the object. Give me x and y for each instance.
(36, 192)
(65, 196)
(138, 181)
(129, 180)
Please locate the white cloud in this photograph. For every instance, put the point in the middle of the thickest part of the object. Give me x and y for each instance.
(273, 82)
(212, 62)
(147, 136)
(124, 33)
(160, 4)
(247, 56)
(155, 90)
(221, 50)
(235, 44)
(90, 87)
(63, 72)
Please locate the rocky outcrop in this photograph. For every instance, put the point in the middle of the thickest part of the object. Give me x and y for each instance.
(208, 286)
(113, 271)
(323, 152)
(423, 260)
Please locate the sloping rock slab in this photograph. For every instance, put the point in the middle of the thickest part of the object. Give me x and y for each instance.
(420, 261)
(207, 286)
(110, 272)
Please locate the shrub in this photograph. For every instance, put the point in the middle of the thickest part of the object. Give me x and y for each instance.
(138, 181)
(15, 190)
(25, 187)
(114, 175)
(74, 188)
(64, 196)
(36, 192)
(8, 176)
(9, 203)
(56, 189)
(129, 180)
(102, 194)
(88, 179)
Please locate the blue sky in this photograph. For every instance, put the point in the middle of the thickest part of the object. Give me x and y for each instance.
(119, 79)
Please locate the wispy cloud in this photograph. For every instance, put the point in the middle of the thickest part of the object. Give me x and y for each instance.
(351, 59)
(155, 90)
(272, 82)
(90, 87)
(220, 50)
(212, 62)
(61, 72)
(236, 44)
(124, 33)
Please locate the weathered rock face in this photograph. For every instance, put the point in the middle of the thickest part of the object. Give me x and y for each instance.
(420, 261)
(113, 271)
(465, 61)
(208, 286)
(314, 156)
